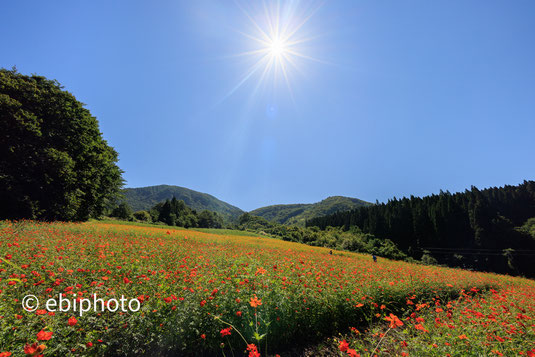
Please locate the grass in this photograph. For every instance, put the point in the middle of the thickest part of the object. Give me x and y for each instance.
(218, 231)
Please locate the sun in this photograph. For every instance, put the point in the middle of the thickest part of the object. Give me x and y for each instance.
(277, 48)
(275, 39)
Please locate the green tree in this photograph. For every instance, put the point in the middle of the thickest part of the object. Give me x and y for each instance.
(54, 163)
(208, 219)
(123, 211)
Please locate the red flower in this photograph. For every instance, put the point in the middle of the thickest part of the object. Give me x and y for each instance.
(203, 336)
(352, 353)
(343, 346)
(253, 351)
(226, 331)
(34, 349)
(44, 336)
(72, 321)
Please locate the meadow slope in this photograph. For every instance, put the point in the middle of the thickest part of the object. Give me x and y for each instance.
(205, 294)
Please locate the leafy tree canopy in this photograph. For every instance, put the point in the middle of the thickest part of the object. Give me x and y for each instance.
(54, 163)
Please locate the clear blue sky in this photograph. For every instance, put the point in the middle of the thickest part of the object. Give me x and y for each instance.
(384, 98)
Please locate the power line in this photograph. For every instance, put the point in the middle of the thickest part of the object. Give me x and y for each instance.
(479, 249)
(486, 254)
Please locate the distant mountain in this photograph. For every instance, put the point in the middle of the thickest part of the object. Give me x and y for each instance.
(143, 198)
(299, 213)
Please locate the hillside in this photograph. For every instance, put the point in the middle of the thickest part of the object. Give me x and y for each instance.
(258, 293)
(143, 198)
(299, 213)
(488, 230)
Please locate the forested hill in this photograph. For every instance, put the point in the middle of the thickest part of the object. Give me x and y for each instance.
(299, 213)
(144, 198)
(481, 229)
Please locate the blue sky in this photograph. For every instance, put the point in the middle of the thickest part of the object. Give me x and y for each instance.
(383, 98)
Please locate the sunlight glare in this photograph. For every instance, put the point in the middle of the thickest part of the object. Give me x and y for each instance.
(277, 36)
(277, 48)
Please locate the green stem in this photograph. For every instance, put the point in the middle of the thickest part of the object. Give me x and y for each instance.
(231, 325)
(381, 340)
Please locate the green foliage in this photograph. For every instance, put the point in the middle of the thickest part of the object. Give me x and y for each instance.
(142, 216)
(427, 259)
(208, 219)
(332, 237)
(299, 213)
(144, 198)
(176, 213)
(123, 211)
(529, 227)
(54, 163)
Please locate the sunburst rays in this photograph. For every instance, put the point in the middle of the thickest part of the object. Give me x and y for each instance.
(276, 43)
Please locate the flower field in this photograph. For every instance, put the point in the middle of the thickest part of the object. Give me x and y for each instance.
(208, 294)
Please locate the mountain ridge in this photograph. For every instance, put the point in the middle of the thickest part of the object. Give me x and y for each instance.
(298, 213)
(144, 198)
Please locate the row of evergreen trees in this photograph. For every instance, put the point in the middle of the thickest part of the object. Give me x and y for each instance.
(473, 229)
(176, 213)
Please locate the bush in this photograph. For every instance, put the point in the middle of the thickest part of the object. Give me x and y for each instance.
(142, 216)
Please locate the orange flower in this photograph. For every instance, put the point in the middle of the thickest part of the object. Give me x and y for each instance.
(394, 321)
(463, 337)
(44, 336)
(420, 327)
(255, 302)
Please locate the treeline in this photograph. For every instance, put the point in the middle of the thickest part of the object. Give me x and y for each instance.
(480, 229)
(176, 213)
(171, 212)
(353, 240)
